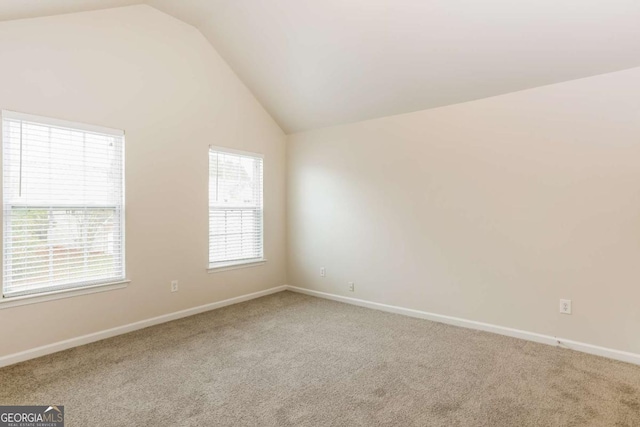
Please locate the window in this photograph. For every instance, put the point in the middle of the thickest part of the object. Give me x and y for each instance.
(235, 208)
(63, 210)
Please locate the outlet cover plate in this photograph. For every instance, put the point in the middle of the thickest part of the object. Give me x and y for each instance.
(565, 306)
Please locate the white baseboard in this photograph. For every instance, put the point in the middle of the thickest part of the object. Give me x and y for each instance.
(472, 324)
(119, 330)
(456, 321)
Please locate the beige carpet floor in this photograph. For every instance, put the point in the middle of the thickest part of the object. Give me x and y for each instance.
(293, 360)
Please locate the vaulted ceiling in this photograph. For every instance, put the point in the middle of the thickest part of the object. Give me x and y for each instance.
(315, 63)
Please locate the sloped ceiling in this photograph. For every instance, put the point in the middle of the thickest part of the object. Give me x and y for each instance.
(315, 63)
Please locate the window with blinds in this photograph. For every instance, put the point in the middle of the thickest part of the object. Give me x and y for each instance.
(63, 205)
(235, 208)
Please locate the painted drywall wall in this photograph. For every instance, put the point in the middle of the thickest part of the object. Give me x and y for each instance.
(137, 69)
(491, 210)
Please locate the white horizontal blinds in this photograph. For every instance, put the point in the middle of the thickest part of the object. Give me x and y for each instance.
(63, 206)
(235, 207)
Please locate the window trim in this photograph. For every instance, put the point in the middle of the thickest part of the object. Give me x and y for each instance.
(81, 288)
(235, 265)
(215, 267)
(61, 294)
(61, 123)
(238, 152)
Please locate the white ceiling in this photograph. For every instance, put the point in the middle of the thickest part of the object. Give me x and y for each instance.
(315, 63)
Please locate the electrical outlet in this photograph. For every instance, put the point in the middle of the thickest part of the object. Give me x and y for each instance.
(323, 272)
(565, 306)
(174, 286)
(352, 287)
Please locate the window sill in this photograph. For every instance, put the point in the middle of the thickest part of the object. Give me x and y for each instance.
(236, 265)
(64, 293)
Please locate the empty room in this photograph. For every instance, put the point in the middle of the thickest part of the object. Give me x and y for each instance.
(320, 213)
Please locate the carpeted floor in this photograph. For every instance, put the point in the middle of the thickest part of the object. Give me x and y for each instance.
(293, 360)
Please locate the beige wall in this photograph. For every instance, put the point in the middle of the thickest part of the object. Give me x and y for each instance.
(140, 70)
(490, 210)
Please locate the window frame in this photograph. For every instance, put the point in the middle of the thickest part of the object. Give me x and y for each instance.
(214, 267)
(81, 287)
